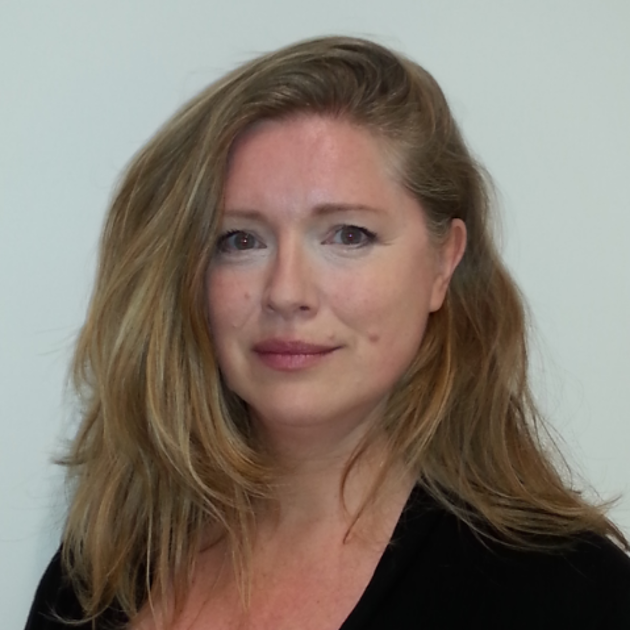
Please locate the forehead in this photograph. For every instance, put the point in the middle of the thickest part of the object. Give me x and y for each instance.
(310, 159)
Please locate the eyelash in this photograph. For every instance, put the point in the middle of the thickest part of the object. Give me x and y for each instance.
(223, 239)
(369, 238)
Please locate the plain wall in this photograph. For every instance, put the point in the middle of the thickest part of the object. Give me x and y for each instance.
(541, 89)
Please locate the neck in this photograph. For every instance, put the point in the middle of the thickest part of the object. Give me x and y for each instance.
(315, 486)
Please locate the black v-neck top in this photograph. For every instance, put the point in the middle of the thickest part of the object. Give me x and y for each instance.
(436, 574)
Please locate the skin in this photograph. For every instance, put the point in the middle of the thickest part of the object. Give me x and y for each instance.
(293, 271)
(294, 266)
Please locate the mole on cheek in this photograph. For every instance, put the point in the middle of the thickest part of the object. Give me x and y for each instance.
(374, 337)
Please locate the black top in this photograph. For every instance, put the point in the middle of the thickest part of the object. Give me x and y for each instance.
(437, 574)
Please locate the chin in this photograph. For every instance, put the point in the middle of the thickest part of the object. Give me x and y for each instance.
(305, 413)
(298, 415)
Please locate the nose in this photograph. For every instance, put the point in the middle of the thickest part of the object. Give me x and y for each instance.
(291, 288)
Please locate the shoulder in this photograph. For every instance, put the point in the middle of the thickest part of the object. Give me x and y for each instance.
(461, 578)
(586, 583)
(55, 604)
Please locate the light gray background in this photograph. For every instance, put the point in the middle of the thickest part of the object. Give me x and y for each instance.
(541, 88)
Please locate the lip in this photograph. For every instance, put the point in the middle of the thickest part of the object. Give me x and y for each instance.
(287, 346)
(288, 355)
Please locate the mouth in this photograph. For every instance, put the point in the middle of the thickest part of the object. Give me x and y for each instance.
(289, 355)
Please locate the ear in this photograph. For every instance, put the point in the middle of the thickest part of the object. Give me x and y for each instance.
(449, 253)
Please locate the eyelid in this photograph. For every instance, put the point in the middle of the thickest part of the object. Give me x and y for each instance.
(369, 236)
(223, 238)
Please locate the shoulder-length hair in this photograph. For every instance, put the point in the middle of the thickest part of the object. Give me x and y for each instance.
(165, 451)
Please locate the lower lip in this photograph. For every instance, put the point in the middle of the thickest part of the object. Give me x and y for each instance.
(292, 362)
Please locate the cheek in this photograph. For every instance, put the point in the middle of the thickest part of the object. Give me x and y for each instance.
(394, 337)
(229, 303)
(388, 315)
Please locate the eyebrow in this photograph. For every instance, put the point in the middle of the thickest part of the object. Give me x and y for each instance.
(321, 209)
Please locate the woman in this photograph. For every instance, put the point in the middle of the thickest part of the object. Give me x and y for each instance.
(304, 373)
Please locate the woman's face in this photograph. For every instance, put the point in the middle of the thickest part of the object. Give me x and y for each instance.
(324, 277)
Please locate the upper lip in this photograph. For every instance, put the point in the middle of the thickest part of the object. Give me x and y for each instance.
(288, 346)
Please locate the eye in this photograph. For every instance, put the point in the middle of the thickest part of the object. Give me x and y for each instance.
(237, 241)
(352, 236)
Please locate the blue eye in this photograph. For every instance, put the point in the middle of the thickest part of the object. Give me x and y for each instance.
(353, 236)
(237, 241)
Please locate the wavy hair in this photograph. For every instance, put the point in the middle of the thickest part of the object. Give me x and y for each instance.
(164, 450)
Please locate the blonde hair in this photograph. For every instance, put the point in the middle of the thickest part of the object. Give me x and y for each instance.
(164, 449)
